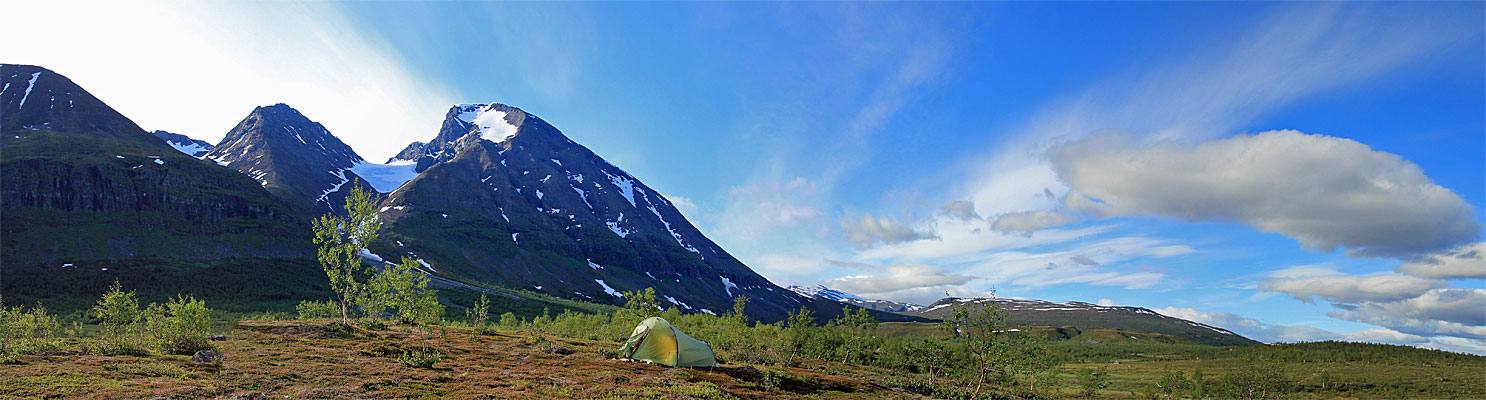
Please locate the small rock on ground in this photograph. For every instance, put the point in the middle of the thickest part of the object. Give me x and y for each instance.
(206, 357)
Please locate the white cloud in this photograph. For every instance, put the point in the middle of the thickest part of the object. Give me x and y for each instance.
(869, 230)
(786, 267)
(1454, 312)
(1040, 269)
(1106, 302)
(760, 207)
(1400, 303)
(199, 68)
(1026, 221)
(1323, 191)
(964, 242)
(1216, 89)
(1269, 333)
(963, 210)
(1343, 288)
(1466, 262)
(1225, 320)
(896, 278)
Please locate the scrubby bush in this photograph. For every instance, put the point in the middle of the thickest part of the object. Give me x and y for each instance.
(117, 310)
(117, 346)
(372, 324)
(509, 321)
(421, 358)
(27, 331)
(642, 304)
(422, 308)
(1090, 382)
(17, 323)
(1260, 382)
(312, 310)
(178, 327)
(1174, 384)
(480, 313)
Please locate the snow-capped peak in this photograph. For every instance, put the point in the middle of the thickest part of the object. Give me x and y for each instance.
(488, 122)
(823, 292)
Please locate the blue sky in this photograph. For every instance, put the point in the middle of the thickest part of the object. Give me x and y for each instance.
(1288, 171)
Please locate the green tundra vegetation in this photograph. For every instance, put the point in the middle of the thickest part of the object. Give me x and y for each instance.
(852, 356)
(383, 333)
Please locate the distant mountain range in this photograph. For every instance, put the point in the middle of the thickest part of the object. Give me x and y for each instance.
(1023, 312)
(820, 291)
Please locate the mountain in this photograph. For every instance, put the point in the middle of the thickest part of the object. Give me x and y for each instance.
(505, 198)
(90, 197)
(1022, 312)
(184, 144)
(412, 153)
(823, 292)
(296, 159)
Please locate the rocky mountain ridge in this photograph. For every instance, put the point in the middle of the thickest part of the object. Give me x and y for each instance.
(1082, 315)
(185, 144)
(504, 197)
(821, 291)
(296, 159)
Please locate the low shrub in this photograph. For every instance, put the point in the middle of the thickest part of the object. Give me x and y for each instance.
(120, 346)
(178, 327)
(372, 324)
(148, 369)
(313, 310)
(421, 358)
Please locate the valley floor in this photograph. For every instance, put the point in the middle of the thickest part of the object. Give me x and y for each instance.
(287, 359)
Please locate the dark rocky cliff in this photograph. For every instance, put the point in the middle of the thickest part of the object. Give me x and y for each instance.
(80, 181)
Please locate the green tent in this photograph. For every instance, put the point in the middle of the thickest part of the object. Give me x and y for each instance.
(656, 341)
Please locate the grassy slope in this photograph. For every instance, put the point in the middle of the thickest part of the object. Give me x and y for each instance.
(1319, 370)
(239, 285)
(287, 359)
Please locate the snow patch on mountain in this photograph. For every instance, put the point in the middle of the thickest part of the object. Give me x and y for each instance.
(608, 289)
(188, 148)
(678, 302)
(493, 126)
(582, 194)
(673, 232)
(625, 185)
(29, 85)
(387, 177)
(728, 285)
(618, 230)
